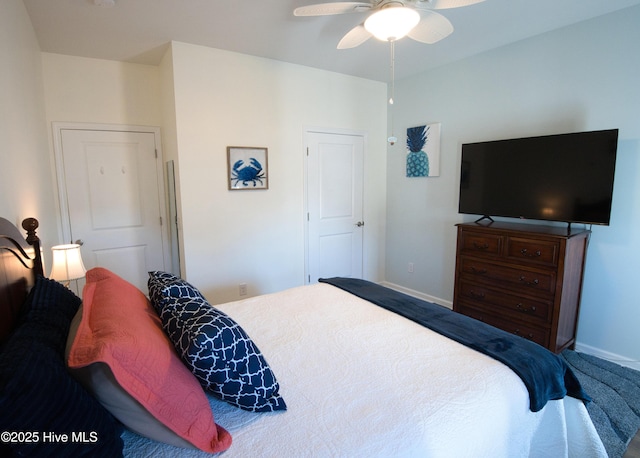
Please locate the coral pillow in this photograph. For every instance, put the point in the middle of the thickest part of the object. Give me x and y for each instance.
(121, 329)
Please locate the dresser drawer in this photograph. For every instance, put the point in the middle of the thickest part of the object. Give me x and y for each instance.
(533, 251)
(537, 335)
(522, 278)
(501, 302)
(513, 277)
(480, 244)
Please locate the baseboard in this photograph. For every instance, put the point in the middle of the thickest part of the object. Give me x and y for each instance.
(418, 294)
(588, 349)
(614, 358)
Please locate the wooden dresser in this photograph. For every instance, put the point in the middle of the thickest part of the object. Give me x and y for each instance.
(522, 278)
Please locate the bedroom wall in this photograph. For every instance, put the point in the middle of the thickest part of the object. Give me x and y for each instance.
(579, 78)
(79, 89)
(257, 237)
(202, 109)
(23, 149)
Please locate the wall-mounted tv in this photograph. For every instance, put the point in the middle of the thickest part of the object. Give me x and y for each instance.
(566, 177)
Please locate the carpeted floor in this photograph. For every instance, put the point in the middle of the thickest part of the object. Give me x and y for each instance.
(615, 390)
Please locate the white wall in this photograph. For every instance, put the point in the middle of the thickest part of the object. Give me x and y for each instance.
(205, 100)
(257, 237)
(584, 77)
(25, 175)
(79, 89)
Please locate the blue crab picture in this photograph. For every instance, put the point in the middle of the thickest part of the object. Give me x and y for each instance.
(247, 168)
(247, 174)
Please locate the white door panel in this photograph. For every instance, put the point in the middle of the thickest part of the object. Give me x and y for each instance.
(336, 257)
(113, 189)
(334, 204)
(114, 200)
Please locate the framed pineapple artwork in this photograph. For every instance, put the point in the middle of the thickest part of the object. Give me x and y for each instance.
(423, 150)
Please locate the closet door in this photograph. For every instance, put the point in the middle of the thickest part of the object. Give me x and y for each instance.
(335, 224)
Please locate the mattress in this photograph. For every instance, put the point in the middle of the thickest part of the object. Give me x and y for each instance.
(361, 381)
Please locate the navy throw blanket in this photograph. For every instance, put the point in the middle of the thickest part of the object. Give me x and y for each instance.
(545, 374)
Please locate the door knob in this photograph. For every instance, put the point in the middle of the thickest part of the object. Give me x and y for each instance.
(79, 242)
(360, 223)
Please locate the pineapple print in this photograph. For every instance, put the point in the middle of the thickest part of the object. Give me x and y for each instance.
(417, 160)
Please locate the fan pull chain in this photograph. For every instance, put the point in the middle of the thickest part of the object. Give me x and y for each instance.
(393, 71)
(392, 139)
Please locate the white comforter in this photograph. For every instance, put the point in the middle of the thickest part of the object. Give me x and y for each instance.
(360, 381)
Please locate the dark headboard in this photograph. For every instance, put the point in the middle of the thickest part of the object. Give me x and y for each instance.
(20, 263)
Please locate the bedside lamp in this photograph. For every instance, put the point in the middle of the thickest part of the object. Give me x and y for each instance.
(67, 263)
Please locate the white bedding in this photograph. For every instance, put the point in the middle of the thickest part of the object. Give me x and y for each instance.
(360, 381)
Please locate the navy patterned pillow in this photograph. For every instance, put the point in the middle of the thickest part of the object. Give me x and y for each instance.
(214, 347)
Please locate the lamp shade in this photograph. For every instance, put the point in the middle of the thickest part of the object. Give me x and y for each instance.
(67, 263)
(392, 23)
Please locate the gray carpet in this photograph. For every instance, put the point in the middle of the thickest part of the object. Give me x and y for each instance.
(615, 390)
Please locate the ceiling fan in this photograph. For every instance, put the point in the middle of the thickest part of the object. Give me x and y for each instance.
(391, 20)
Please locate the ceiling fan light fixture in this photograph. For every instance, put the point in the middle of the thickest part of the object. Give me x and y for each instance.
(392, 23)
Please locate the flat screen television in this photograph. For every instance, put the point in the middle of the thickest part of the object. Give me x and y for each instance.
(566, 177)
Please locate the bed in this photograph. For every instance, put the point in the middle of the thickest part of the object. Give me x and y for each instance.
(349, 378)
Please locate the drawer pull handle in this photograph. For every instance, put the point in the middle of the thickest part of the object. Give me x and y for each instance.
(533, 282)
(524, 309)
(531, 255)
(528, 336)
(475, 270)
(475, 295)
(478, 246)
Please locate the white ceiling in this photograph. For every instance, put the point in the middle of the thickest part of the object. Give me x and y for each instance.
(139, 31)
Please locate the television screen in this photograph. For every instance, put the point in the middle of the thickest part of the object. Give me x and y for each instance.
(567, 177)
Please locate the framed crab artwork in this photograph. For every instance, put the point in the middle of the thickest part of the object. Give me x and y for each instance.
(247, 168)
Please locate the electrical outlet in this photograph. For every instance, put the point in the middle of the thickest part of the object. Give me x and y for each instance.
(410, 268)
(242, 289)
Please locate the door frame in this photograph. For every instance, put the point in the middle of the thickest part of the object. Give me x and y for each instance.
(331, 131)
(65, 223)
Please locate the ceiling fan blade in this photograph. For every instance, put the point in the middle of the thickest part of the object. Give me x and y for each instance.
(326, 9)
(444, 4)
(432, 28)
(355, 37)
